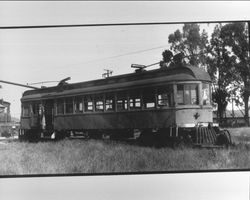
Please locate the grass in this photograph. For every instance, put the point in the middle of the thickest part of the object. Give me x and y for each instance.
(101, 156)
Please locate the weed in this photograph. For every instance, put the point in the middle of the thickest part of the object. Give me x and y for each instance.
(98, 156)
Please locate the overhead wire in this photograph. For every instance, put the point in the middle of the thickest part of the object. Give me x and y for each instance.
(120, 55)
(114, 24)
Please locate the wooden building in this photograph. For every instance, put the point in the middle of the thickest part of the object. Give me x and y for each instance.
(4, 111)
(231, 119)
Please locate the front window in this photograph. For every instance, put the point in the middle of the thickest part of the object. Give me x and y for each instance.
(35, 108)
(60, 106)
(69, 105)
(26, 110)
(206, 94)
(187, 94)
(180, 94)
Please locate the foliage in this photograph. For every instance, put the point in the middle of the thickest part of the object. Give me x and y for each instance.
(6, 133)
(219, 62)
(191, 43)
(235, 38)
(220, 97)
(98, 156)
(169, 59)
(167, 56)
(220, 67)
(225, 57)
(200, 52)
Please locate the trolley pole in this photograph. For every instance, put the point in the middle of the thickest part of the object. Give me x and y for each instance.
(18, 84)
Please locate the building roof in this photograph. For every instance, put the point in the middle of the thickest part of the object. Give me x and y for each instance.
(3, 103)
(229, 113)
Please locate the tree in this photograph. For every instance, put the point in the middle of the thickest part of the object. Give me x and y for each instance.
(235, 38)
(211, 55)
(220, 97)
(191, 43)
(167, 56)
(169, 59)
(220, 68)
(226, 58)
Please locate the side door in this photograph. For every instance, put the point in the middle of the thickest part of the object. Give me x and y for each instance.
(49, 114)
(34, 115)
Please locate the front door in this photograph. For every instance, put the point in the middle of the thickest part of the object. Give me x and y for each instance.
(48, 114)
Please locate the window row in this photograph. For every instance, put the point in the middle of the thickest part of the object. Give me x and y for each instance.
(120, 101)
(186, 94)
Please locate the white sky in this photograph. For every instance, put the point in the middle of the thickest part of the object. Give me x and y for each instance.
(36, 55)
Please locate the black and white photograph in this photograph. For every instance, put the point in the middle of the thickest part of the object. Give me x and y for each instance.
(124, 87)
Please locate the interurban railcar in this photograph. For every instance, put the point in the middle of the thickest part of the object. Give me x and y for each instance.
(168, 104)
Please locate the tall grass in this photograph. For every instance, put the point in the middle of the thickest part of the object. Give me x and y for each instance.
(98, 156)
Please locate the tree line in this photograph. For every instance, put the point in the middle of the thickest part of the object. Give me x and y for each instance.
(224, 55)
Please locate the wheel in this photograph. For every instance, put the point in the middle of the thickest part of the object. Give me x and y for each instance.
(147, 138)
(60, 135)
(222, 140)
(33, 135)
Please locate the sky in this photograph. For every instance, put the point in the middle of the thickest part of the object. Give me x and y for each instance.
(30, 56)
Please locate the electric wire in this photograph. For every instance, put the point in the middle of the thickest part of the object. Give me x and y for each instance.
(117, 56)
(116, 24)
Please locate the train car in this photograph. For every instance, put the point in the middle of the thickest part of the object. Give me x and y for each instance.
(165, 105)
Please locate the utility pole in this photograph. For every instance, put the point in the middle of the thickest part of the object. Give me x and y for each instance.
(107, 74)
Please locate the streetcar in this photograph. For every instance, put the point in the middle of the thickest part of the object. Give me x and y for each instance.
(167, 105)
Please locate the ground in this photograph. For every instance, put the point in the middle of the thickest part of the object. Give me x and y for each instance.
(104, 156)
